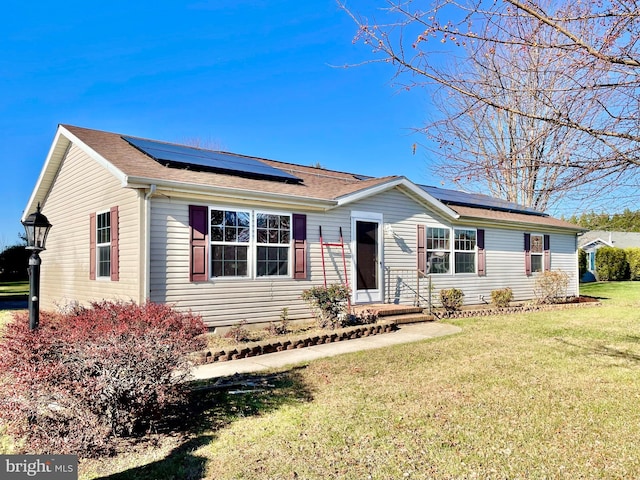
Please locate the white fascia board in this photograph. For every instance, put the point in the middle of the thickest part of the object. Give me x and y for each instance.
(404, 183)
(186, 188)
(595, 242)
(103, 162)
(59, 148)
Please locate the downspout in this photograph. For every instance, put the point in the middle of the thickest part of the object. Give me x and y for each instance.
(147, 242)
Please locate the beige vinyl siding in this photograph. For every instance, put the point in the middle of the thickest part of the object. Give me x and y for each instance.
(505, 267)
(223, 302)
(227, 301)
(83, 187)
(401, 215)
(504, 255)
(219, 301)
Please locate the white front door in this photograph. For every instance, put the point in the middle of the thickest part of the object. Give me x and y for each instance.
(366, 247)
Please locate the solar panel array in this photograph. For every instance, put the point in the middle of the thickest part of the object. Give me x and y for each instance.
(182, 156)
(455, 197)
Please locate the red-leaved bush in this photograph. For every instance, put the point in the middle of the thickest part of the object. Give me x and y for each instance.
(111, 369)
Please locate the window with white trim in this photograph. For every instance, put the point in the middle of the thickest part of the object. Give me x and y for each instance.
(273, 241)
(537, 252)
(464, 246)
(249, 243)
(230, 242)
(103, 244)
(438, 250)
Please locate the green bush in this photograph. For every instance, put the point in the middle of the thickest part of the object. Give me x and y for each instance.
(328, 304)
(582, 262)
(551, 287)
(633, 259)
(611, 264)
(501, 297)
(451, 299)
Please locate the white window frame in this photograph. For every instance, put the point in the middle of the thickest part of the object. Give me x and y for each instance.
(257, 244)
(436, 251)
(537, 255)
(474, 251)
(100, 246)
(252, 245)
(223, 242)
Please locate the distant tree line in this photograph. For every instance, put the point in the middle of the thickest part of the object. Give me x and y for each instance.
(627, 221)
(14, 261)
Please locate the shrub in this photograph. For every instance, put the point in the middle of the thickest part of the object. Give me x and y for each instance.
(633, 259)
(501, 297)
(282, 326)
(451, 299)
(611, 264)
(328, 304)
(238, 333)
(364, 317)
(551, 287)
(582, 262)
(93, 373)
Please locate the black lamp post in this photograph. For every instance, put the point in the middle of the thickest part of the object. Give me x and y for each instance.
(37, 228)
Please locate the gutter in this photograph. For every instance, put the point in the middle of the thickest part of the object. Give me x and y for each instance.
(190, 189)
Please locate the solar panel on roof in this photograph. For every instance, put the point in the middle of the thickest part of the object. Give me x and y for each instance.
(182, 156)
(455, 197)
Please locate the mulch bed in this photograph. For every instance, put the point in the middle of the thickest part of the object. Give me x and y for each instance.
(575, 302)
(252, 349)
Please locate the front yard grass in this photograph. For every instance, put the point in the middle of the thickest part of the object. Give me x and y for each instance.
(537, 395)
(13, 290)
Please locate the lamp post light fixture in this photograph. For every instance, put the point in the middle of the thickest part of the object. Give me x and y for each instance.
(37, 228)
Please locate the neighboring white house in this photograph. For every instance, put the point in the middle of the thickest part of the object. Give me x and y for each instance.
(237, 238)
(592, 240)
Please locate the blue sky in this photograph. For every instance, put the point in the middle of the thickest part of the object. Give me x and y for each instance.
(255, 77)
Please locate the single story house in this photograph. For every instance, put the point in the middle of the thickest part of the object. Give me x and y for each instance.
(592, 240)
(236, 238)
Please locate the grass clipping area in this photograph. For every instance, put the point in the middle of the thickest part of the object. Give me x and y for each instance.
(536, 395)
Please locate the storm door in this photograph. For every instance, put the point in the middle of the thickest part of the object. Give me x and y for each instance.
(367, 269)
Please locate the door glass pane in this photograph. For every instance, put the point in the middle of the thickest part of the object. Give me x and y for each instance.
(366, 255)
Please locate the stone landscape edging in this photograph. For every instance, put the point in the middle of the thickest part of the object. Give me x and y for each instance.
(272, 345)
(519, 309)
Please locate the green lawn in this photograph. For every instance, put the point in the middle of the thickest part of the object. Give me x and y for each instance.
(529, 396)
(14, 290)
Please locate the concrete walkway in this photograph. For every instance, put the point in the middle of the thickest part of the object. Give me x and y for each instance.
(406, 333)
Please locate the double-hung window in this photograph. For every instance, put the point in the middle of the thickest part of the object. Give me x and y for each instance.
(273, 241)
(230, 243)
(537, 252)
(438, 250)
(465, 250)
(103, 244)
(249, 243)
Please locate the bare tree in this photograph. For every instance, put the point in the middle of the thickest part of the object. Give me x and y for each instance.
(558, 74)
(520, 158)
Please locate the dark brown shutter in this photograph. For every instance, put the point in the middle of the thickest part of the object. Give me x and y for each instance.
(421, 250)
(527, 253)
(198, 223)
(481, 253)
(92, 246)
(115, 249)
(547, 253)
(299, 246)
